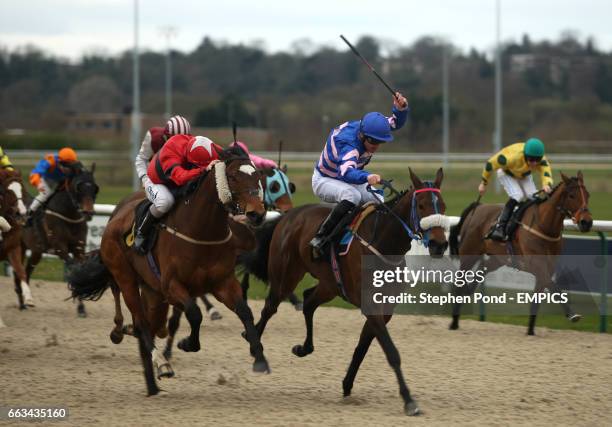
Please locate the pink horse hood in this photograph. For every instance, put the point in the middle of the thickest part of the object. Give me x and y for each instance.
(259, 162)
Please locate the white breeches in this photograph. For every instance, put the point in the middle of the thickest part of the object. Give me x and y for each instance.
(46, 190)
(332, 190)
(517, 189)
(159, 195)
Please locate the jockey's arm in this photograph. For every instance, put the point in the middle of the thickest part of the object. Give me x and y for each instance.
(545, 172)
(399, 112)
(496, 161)
(144, 156)
(181, 176)
(39, 170)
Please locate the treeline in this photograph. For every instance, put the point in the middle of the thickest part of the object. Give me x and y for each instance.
(560, 91)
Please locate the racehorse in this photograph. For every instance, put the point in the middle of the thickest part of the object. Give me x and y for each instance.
(60, 227)
(277, 197)
(415, 213)
(11, 209)
(536, 242)
(191, 257)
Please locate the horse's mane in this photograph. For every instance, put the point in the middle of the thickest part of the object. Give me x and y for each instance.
(7, 174)
(227, 155)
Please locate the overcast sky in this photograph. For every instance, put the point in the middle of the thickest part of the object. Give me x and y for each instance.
(70, 28)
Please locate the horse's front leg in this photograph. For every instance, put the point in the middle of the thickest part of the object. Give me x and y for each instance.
(230, 294)
(178, 292)
(22, 287)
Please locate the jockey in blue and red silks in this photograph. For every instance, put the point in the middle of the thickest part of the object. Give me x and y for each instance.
(339, 175)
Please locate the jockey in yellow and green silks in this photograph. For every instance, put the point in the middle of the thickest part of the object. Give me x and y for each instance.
(515, 165)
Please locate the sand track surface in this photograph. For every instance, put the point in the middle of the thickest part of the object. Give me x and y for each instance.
(482, 374)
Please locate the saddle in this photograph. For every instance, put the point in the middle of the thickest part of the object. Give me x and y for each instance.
(343, 244)
(139, 213)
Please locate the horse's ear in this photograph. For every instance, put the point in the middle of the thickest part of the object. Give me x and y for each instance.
(580, 177)
(416, 181)
(564, 178)
(284, 168)
(93, 167)
(439, 178)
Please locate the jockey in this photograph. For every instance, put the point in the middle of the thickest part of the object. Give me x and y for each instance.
(153, 141)
(514, 165)
(181, 159)
(5, 162)
(259, 162)
(339, 176)
(48, 174)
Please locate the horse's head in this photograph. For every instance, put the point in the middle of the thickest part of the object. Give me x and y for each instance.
(83, 188)
(239, 185)
(427, 212)
(277, 189)
(575, 202)
(13, 183)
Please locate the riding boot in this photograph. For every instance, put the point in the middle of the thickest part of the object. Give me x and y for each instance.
(329, 227)
(499, 230)
(143, 231)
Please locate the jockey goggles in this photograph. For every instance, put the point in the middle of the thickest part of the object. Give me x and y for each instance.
(533, 159)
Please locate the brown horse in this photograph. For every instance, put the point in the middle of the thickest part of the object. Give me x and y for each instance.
(60, 228)
(194, 254)
(384, 233)
(536, 242)
(11, 209)
(277, 197)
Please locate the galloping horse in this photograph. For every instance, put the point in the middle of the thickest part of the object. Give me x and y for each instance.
(61, 226)
(537, 241)
(11, 209)
(382, 233)
(277, 197)
(194, 254)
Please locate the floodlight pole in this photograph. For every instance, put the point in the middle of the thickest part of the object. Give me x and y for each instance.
(136, 119)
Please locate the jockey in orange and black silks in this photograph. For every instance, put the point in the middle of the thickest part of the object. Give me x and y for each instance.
(48, 174)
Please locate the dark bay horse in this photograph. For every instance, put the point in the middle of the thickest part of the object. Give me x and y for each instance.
(384, 234)
(194, 254)
(60, 227)
(536, 243)
(11, 210)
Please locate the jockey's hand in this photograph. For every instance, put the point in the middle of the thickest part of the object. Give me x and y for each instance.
(40, 188)
(374, 179)
(482, 188)
(400, 102)
(547, 189)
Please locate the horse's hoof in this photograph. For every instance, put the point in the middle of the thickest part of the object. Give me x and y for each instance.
(299, 306)
(411, 409)
(531, 333)
(214, 314)
(153, 391)
(453, 326)
(30, 303)
(23, 307)
(261, 367)
(81, 313)
(116, 336)
(186, 345)
(301, 351)
(165, 371)
(574, 317)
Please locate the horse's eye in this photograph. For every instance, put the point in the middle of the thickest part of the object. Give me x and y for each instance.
(421, 206)
(571, 196)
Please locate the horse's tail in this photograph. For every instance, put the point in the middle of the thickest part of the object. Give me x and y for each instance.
(89, 279)
(256, 261)
(453, 237)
